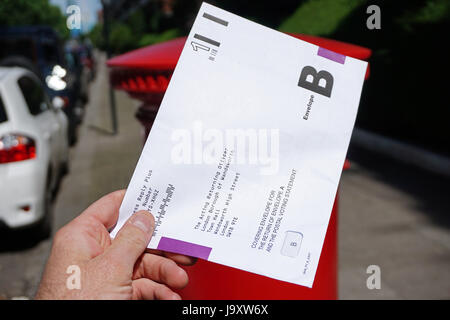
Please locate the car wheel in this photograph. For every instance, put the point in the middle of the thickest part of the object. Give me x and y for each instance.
(72, 133)
(65, 169)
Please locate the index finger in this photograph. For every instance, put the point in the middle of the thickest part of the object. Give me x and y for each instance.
(178, 258)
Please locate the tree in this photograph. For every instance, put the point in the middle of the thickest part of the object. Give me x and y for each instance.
(121, 38)
(32, 12)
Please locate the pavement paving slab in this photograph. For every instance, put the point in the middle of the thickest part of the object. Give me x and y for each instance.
(395, 217)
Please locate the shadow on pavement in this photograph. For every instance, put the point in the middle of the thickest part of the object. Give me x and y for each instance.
(431, 191)
(18, 240)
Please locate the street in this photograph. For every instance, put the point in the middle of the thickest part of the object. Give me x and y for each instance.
(391, 216)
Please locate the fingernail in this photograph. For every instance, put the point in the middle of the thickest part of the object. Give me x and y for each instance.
(144, 221)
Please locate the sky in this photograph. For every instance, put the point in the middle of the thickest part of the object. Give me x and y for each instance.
(88, 10)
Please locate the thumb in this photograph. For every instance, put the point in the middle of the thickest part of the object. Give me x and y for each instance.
(133, 238)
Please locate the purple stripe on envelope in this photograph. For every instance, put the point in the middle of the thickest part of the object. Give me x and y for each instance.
(183, 247)
(336, 57)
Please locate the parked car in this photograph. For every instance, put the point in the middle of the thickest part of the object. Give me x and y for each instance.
(33, 151)
(39, 49)
(74, 54)
(88, 58)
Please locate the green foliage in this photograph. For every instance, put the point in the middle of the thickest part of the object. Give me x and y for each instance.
(121, 38)
(405, 95)
(433, 11)
(137, 22)
(96, 36)
(319, 17)
(145, 26)
(266, 12)
(32, 12)
(153, 38)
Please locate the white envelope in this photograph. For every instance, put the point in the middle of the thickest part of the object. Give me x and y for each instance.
(244, 158)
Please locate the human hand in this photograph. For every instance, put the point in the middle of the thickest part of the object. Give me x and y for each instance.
(120, 268)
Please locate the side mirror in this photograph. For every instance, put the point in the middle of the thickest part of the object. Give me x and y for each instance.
(58, 103)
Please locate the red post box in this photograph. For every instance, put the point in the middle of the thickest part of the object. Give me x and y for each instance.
(145, 74)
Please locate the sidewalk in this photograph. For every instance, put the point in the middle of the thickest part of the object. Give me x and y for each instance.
(396, 217)
(101, 162)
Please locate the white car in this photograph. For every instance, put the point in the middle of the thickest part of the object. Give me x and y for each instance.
(33, 151)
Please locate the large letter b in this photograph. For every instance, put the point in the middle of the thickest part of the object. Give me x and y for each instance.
(314, 84)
